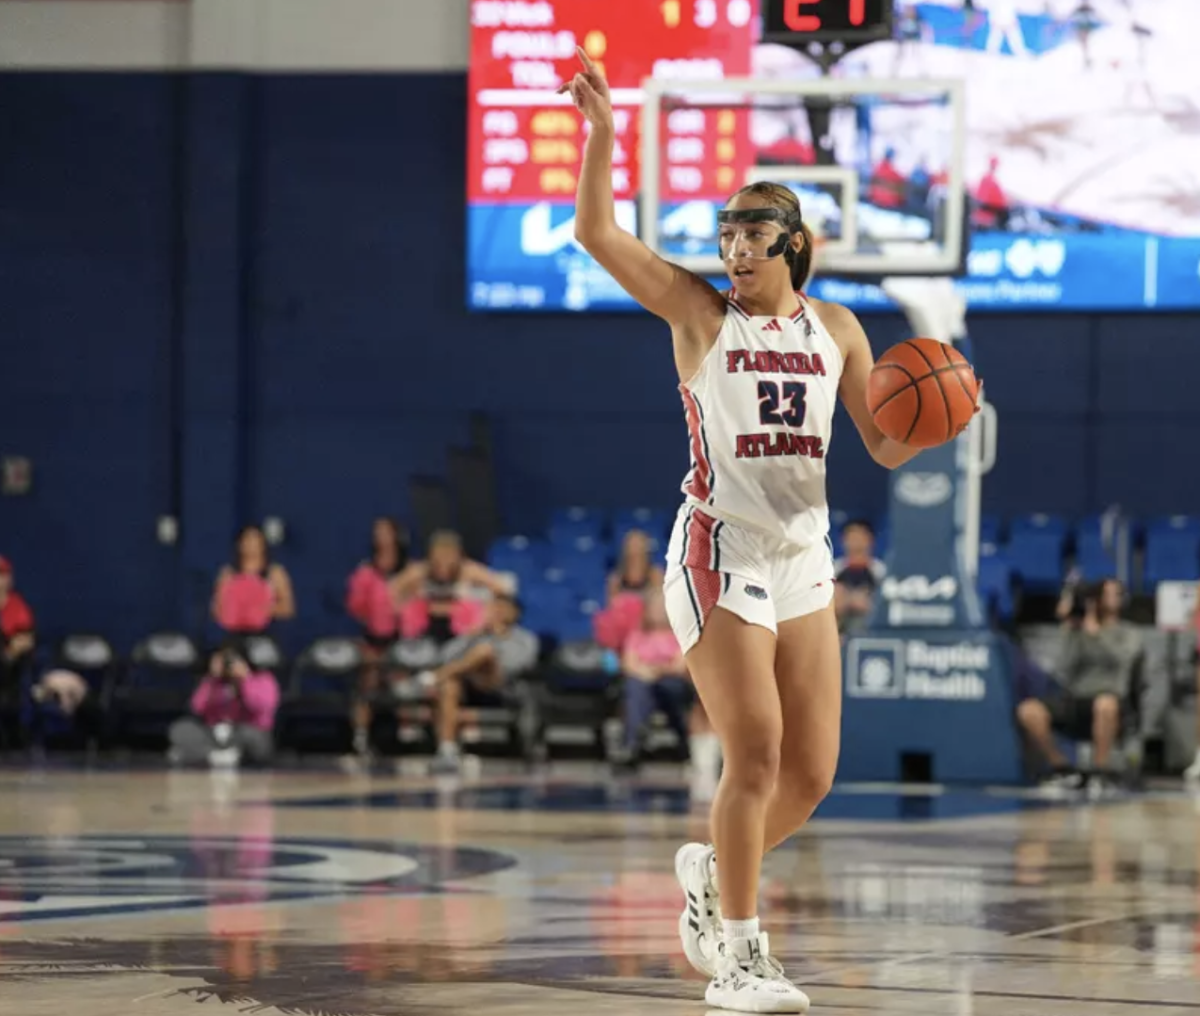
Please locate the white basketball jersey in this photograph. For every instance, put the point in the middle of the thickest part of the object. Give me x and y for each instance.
(760, 419)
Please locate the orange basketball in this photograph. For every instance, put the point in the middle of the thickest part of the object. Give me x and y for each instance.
(922, 392)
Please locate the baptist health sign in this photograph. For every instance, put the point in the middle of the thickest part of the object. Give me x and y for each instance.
(885, 668)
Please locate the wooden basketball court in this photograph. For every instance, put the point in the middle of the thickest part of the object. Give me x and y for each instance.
(156, 894)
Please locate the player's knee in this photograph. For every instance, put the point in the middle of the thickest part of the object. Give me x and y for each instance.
(753, 767)
(1106, 708)
(802, 787)
(1031, 713)
(815, 782)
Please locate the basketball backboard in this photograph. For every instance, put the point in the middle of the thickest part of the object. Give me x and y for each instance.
(877, 165)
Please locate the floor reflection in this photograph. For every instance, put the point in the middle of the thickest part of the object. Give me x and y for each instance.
(549, 896)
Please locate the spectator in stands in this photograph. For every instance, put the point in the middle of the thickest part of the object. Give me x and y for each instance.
(991, 203)
(16, 639)
(636, 571)
(635, 575)
(67, 693)
(858, 575)
(656, 679)
(888, 185)
(370, 602)
(479, 668)
(438, 596)
(1192, 773)
(233, 715)
(1096, 670)
(1069, 609)
(252, 592)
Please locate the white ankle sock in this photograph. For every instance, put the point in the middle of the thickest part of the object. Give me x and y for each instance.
(735, 930)
(448, 749)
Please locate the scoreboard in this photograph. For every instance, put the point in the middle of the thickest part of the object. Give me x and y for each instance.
(525, 142)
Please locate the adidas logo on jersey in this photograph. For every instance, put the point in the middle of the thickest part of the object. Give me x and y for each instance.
(773, 326)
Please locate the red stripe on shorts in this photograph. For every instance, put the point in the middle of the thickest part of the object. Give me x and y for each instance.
(699, 541)
(706, 585)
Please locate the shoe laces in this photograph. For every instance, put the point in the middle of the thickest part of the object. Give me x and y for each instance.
(768, 968)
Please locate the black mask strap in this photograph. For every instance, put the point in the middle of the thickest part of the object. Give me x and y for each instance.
(790, 223)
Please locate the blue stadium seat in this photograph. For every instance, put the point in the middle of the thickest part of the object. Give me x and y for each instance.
(568, 524)
(994, 583)
(989, 529)
(654, 522)
(1035, 550)
(548, 601)
(1092, 557)
(1038, 522)
(575, 625)
(1172, 554)
(585, 564)
(1174, 524)
(524, 557)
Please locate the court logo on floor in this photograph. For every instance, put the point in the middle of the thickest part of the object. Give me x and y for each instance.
(44, 878)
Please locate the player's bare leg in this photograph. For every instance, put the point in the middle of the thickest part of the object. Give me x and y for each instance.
(808, 670)
(733, 668)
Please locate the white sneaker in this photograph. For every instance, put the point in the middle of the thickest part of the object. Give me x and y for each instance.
(700, 922)
(224, 758)
(1192, 773)
(749, 979)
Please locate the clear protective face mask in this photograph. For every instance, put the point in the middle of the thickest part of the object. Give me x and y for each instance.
(755, 234)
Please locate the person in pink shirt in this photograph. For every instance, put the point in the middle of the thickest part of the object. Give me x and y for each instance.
(656, 679)
(233, 715)
(252, 592)
(371, 601)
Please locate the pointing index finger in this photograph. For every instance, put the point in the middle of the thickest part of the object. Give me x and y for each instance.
(585, 60)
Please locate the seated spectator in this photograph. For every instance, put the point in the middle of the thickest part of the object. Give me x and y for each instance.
(477, 671)
(233, 715)
(370, 602)
(1192, 773)
(16, 639)
(635, 576)
(69, 694)
(1096, 670)
(858, 574)
(252, 592)
(438, 596)
(1069, 609)
(636, 571)
(656, 679)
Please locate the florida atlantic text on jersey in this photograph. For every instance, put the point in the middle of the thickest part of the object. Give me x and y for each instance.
(760, 419)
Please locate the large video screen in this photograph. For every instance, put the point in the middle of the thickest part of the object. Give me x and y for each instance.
(1082, 151)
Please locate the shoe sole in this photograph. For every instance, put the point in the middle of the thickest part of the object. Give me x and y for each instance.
(718, 1000)
(687, 935)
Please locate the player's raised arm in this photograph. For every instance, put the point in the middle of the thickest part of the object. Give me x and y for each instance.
(664, 289)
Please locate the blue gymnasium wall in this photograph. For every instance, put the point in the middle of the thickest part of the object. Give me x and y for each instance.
(233, 297)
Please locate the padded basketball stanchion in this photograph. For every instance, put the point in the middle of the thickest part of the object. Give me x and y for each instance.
(928, 680)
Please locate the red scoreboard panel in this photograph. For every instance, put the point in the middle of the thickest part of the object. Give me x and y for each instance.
(525, 145)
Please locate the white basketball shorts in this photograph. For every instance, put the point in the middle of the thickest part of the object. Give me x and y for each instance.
(763, 580)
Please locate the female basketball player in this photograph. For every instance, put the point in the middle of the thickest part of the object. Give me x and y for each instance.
(749, 581)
